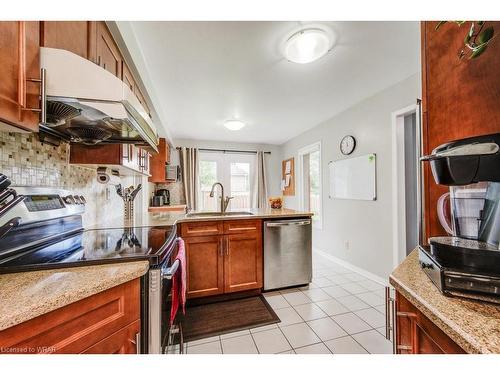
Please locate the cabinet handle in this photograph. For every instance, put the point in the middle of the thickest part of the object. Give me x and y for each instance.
(99, 60)
(43, 96)
(227, 246)
(221, 250)
(390, 318)
(22, 80)
(137, 342)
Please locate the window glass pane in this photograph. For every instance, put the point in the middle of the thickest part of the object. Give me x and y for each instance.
(314, 184)
(240, 185)
(208, 176)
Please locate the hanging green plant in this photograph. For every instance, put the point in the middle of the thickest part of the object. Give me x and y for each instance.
(476, 40)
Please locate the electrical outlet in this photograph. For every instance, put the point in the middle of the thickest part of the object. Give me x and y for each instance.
(346, 244)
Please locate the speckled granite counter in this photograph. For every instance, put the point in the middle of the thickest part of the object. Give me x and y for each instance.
(26, 295)
(170, 218)
(475, 326)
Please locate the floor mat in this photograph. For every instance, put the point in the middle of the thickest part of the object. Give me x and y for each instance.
(225, 317)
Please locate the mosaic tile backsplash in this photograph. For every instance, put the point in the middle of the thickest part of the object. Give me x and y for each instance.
(28, 162)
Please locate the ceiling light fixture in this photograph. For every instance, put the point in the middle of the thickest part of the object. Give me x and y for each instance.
(308, 45)
(234, 124)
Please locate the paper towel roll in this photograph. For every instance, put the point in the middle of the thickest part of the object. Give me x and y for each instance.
(103, 177)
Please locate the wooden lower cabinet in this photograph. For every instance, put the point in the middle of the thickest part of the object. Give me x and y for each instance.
(243, 262)
(223, 263)
(122, 342)
(416, 334)
(105, 323)
(205, 266)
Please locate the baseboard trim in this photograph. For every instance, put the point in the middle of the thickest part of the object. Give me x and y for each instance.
(348, 265)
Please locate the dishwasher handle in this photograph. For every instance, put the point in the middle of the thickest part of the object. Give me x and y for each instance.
(271, 224)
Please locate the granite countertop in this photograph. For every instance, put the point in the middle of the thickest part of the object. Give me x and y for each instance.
(151, 219)
(473, 325)
(26, 295)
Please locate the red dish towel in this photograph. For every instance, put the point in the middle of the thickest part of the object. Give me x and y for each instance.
(179, 282)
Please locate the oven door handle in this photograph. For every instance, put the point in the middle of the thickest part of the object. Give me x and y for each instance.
(170, 271)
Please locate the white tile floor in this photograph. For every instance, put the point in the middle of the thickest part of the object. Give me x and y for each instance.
(340, 312)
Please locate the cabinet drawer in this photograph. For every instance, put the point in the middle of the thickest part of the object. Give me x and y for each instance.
(78, 326)
(122, 342)
(242, 226)
(201, 228)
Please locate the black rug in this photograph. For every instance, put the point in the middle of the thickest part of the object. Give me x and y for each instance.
(227, 316)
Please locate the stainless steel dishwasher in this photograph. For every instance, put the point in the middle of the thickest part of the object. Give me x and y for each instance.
(287, 253)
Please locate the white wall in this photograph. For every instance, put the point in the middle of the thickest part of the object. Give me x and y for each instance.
(273, 160)
(366, 225)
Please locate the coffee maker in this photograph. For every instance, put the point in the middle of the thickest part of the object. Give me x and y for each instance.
(466, 262)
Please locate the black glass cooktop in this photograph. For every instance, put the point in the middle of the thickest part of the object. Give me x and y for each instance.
(94, 247)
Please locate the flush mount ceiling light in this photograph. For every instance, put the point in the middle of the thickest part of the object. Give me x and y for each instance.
(234, 124)
(308, 45)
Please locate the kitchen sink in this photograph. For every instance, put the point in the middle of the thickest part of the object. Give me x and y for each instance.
(219, 214)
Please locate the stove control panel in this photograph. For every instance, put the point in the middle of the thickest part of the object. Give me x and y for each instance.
(44, 203)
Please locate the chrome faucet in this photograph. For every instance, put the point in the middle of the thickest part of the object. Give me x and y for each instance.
(224, 201)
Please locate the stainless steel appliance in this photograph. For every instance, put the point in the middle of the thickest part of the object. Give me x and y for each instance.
(90, 107)
(49, 234)
(287, 253)
(466, 263)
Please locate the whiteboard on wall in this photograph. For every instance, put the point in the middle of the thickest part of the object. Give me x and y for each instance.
(354, 178)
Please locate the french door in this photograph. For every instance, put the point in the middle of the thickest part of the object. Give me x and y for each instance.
(235, 171)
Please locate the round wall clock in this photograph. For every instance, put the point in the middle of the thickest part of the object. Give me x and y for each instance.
(347, 144)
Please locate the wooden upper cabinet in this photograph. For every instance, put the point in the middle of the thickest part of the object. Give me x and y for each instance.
(78, 37)
(159, 162)
(108, 54)
(460, 98)
(128, 78)
(20, 57)
(243, 262)
(205, 266)
(142, 100)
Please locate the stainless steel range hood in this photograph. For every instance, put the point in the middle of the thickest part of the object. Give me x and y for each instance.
(89, 105)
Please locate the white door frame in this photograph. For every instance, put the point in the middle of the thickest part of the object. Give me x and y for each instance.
(300, 161)
(398, 182)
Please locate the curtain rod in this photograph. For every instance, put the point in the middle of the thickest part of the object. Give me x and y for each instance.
(229, 151)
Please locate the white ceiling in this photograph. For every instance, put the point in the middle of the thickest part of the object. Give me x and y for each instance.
(199, 74)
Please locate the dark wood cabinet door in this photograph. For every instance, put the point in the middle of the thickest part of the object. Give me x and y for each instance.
(20, 57)
(205, 271)
(78, 37)
(416, 334)
(108, 54)
(242, 262)
(122, 342)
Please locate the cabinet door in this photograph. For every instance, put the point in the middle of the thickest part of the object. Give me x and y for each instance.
(108, 55)
(125, 341)
(76, 327)
(128, 78)
(204, 266)
(20, 57)
(416, 334)
(142, 100)
(158, 163)
(78, 37)
(242, 262)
